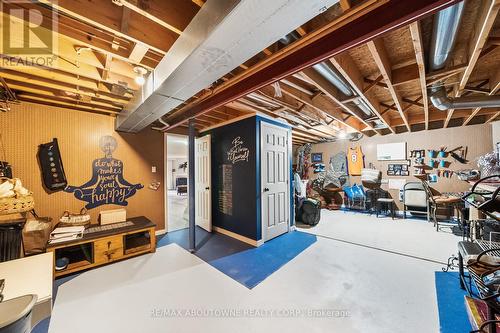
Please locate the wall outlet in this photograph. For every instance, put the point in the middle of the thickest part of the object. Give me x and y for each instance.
(153, 169)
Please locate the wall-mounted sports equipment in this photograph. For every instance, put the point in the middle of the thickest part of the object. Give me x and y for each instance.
(51, 166)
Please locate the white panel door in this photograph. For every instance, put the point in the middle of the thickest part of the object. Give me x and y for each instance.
(203, 180)
(275, 171)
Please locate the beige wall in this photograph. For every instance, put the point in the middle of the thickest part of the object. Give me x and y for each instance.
(495, 132)
(28, 125)
(478, 139)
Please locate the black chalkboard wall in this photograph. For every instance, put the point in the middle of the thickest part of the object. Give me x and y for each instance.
(240, 177)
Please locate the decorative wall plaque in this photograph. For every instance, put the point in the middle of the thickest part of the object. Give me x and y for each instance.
(107, 185)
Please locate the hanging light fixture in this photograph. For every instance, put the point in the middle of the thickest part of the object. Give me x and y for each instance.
(140, 71)
(342, 134)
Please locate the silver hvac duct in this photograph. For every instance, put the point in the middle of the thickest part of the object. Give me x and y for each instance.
(338, 81)
(444, 35)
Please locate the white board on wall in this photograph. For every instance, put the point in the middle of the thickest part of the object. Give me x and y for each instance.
(391, 151)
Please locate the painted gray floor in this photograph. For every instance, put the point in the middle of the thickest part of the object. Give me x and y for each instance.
(177, 208)
(381, 291)
(406, 236)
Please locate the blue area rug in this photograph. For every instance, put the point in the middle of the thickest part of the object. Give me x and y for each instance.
(244, 263)
(452, 314)
(253, 266)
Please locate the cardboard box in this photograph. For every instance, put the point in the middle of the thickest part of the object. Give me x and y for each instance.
(113, 216)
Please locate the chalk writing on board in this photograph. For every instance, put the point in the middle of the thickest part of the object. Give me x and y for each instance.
(238, 153)
(226, 189)
(107, 185)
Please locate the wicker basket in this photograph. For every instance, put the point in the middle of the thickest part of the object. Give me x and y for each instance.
(17, 205)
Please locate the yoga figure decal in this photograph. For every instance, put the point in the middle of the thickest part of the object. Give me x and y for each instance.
(107, 185)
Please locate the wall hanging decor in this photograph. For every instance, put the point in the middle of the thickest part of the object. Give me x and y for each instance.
(459, 154)
(355, 161)
(107, 185)
(317, 157)
(49, 156)
(391, 151)
(398, 170)
(237, 152)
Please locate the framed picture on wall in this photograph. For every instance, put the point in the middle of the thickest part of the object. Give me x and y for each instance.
(317, 157)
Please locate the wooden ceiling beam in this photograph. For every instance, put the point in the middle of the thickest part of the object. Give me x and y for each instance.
(82, 34)
(71, 106)
(172, 16)
(493, 117)
(69, 101)
(416, 35)
(320, 132)
(345, 5)
(22, 87)
(346, 66)
(63, 86)
(356, 26)
(482, 29)
(379, 54)
(357, 123)
(437, 115)
(107, 16)
(297, 107)
(199, 3)
(495, 87)
(322, 104)
(487, 16)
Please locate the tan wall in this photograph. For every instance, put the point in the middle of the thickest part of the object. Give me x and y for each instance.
(478, 139)
(28, 125)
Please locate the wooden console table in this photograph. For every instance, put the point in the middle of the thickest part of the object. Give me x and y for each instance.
(101, 245)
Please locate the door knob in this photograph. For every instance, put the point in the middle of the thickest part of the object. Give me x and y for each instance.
(207, 188)
(266, 189)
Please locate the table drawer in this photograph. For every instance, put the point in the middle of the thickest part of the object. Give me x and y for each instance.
(108, 249)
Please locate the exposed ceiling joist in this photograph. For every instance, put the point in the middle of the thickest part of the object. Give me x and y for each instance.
(104, 15)
(346, 66)
(416, 35)
(487, 16)
(358, 25)
(358, 124)
(379, 54)
(322, 104)
(495, 87)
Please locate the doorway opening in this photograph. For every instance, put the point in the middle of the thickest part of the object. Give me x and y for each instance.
(177, 182)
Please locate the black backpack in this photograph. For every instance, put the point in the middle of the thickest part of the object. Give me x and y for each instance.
(310, 212)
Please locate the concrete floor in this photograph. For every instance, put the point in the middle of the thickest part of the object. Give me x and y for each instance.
(412, 237)
(380, 291)
(177, 207)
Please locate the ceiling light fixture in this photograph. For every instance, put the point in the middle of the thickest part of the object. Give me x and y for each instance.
(140, 71)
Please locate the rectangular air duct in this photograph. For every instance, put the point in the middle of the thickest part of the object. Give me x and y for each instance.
(223, 35)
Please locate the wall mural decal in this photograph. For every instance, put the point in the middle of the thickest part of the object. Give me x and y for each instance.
(107, 185)
(238, 153)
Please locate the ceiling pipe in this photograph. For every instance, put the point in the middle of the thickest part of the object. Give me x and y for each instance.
(341, 84)
(336, 79)
(444, 35)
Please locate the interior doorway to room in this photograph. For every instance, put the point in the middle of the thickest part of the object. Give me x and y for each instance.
(177, 182)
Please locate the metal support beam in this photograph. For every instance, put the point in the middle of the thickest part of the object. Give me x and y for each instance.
(331, 40)
(191, 203)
